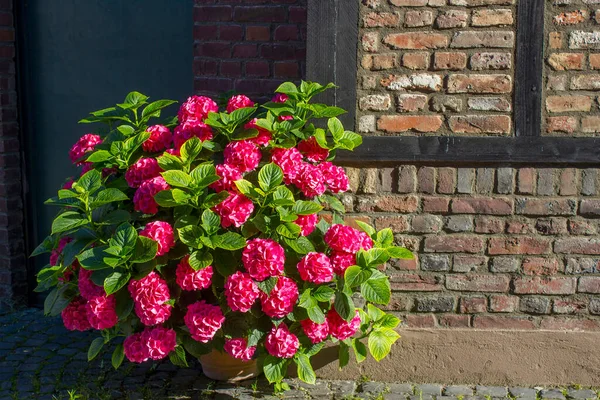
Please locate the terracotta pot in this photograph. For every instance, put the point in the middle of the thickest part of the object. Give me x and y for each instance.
(222, 367)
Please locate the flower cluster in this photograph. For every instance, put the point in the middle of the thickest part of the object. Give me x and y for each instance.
(206, 233)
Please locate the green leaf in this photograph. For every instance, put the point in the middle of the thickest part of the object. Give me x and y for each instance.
(177, 357)
(95, 348)
(385, 237)
(303, 207)
(211, 222)
(116, 281)
(316, 314)
(204, 175)
(269, 177)
(335, 204)
(214, 199)
(229, 241)
(125, 237)
(323, 293)
(389, 321)
(56, 301)
(135, 99)
(126, 130)
(305, 370)
(283, 196)
(329, 112)
(68, 221)
(289, 230)
(99, 156)
(355, 276)
(200, 260)
(381, 341)
(45, 247)
(191, 236)
(360, 350)
(376, 289)
(169, 162)
(245, 187)
(165, 198)
(344, 306)
(374, 313)
(190, 149)
(115, 217)
(368, 229)
(153, 109)
(301, 245)
(349, 141)
(124, 304)
(117, 356)
(90, 181)
(145, 250)
(108, 196)
(93, 259)
(255, 336)
(344, 355)
(195, 348)
(375, 257)
(314, 349)
(336, 128)
(287, 88)
(275, 368)
(400, 252)
(267, 285)
(177, 178)
(241, 115)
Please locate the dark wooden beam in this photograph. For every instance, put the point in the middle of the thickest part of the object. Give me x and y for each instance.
(534, 151)
(529, 64)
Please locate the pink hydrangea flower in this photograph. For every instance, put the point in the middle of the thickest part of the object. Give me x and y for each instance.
(310, 180)
(160, 342)
(316, 268)
(343, 238)
(242, 154)
(263, 135)
(142, 170)
(143, 199)
(150, 295)
(174, 152)
(162, 233)
(280, 302)
(101, 312)
(68, 184)
(263, 258)
(289, 160)
(366, 243)
(229, 175)
(190, 279)
(74, 316)
(234, 210)
(191, 129)
(340, 261)
(135, 348)
(281, 342)
(306, 223)
(203, 320)
(238, 348)
(312, 151)
(84, 145)
(340, 328)
(315, 332)
(241, 292)
(286, 117)
(280, 98)
(196, 108)
(237, 102)
(335, 177)
(87, 288)
(56, 253)
(160, 138)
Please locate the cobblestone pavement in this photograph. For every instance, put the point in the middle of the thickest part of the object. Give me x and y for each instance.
(39, 359)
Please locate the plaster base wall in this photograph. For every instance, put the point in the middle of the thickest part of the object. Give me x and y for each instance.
(468, 356)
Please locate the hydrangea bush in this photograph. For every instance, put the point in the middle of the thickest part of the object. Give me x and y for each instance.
(206, 232)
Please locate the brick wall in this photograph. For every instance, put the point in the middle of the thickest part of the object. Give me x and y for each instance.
(431, 66)
(496, 247)
(13, 275)
(248, 46)
(572, 80)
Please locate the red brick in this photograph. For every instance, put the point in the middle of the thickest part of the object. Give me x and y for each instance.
(564, 124)
(205, 67)
(259, 14)
(489, 225)
(477, 283)
(473, 305)
(233, 33)
(411, 102)
(566, 61)
(589, 284)
(258, 33)
(231, 68)
(297, 14)
(537, 206)
(278, 51)
(569, 324)
(590, 208)
(245, 50)
(416, 40)
(286, 32)
(453, 244)
(518, 245)
(474, 124)
(492, 17)
(214, 50)
(519, 227)
(404, 204)
(590, 124)
(504, 303)
(544, 285)
(502, 322)
(381, 19)
(398, 224)
(568, 103)
(257, 86)
(212, 84)
(257, 68)
(416, 60)
(286, 69)
(540, 266)
(581, 227)
(206, 32)
(577, 246)
(436, 204)
(571, 18)
(415, 283)
(555, 40)
(526, 180)
(479, 83)
(595, 61)
(453, 321)
(569, 306)
(419, 320)
(450, 61)
(398, 303)
(483, 205)
(568, 182)
(418, 123)
(212, 13)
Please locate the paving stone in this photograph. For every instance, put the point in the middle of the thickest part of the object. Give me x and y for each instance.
(458, 391)
(403, 388)
(552, 394)
(343, 387)
(582, 394)
(493, 391)
(522, 392)
(421, 397)
(395, 396)
(435, 390)
(446, 398)
(373, 387)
